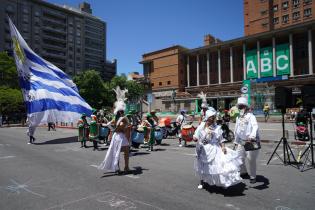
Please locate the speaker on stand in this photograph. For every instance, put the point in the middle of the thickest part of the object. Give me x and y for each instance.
(283, 100)
(308, 98)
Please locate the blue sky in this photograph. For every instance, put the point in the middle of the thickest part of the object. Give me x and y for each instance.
(136, 27)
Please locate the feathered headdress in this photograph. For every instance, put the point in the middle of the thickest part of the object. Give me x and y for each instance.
(204, 99)
(120, 99)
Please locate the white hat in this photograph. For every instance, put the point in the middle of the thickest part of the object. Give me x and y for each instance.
(204, 105)
(242, 100)
(120, 102)
(209, 113)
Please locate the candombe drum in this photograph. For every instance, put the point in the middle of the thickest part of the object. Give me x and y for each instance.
(80, 130)
(137, 137)
(188, 132)
(93, 129)
(158, 135)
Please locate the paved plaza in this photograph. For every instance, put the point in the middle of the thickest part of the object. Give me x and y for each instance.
(55, 173)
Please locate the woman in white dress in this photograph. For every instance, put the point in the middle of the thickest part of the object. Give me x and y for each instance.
(119, 140)
(215, 164)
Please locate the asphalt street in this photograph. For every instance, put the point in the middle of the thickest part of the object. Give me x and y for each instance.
(55, 173)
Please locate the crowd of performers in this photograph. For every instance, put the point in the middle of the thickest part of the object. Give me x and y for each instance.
(215, 163)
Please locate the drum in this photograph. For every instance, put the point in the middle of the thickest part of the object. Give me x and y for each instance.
(187, 132)
(137, 137)
(158, 134)
(165, 121)
(104, 131)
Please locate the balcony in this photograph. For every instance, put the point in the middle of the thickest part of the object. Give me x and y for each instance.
(54, 29)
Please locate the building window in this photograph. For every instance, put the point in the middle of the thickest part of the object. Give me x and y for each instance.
(275, 20)
(296, 15)
(152, 84)
(265, 24)
(160, 83)
(263, 12)
(285, 18)
(285, 5)
(275, 8)
(307, 12)
(168, 82)
(307, 1)
(296, 3)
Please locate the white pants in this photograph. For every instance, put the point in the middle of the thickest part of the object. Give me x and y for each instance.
(251, 157)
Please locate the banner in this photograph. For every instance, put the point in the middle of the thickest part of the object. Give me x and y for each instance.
(251, 64)
(266, 61)
(245, 90)
(283, 59)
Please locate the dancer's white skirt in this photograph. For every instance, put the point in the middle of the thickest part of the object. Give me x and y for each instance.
(217, 168)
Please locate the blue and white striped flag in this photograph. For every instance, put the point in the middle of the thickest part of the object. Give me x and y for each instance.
(50, 95)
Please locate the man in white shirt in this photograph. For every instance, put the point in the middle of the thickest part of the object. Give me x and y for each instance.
(180, 121)
(246, 132)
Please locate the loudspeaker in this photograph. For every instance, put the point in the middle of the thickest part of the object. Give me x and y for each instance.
(283, 97)
(308, 96)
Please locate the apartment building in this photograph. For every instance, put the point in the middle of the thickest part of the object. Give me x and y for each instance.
(266, 15)
(71, 38)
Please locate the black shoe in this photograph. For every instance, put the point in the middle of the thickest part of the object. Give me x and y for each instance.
(252, 181)
(245, 176)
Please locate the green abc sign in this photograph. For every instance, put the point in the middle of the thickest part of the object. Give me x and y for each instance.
(266, 68)
(251, 64)
(283, 59)
(266, 62)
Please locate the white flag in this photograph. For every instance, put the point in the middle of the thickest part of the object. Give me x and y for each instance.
(50, 95)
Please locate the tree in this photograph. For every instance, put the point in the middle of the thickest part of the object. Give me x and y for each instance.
(11, 101)
(8, 73)
(91, 88)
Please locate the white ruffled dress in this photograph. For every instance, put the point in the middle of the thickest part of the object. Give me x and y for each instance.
(111, 160)
(212, 165)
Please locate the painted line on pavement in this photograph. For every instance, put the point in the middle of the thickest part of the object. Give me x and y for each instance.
(7, 157)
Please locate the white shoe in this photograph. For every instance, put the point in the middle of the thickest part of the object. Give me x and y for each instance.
(180, 145)
(200, 186)
(28, 143)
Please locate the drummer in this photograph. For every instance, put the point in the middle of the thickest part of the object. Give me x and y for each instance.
(180, 122)
(154, 117)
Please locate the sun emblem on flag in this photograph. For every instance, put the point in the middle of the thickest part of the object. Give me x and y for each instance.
(18, 50)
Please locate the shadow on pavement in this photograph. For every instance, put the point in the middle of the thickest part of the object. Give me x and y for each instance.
(59, 141)
(140, 153)
(136, 171)
(164, 144)
(261, 179)
(236, 190)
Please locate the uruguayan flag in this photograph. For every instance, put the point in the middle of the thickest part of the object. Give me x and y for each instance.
(50, 95)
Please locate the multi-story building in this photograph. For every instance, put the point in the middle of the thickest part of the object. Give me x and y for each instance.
(266, 60)
(266, 15)
(71, 38)
(165, 68)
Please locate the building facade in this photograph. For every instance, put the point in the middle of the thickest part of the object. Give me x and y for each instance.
(166, 71)
(71, 38)
(266, 15)
(281, 57)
